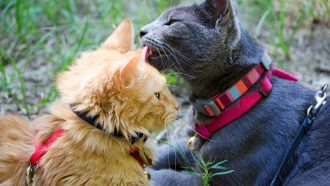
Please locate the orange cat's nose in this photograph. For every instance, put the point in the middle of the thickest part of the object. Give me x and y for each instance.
(177, 107)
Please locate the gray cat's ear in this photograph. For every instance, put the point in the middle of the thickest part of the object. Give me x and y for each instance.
(221, 9)
(226, 20)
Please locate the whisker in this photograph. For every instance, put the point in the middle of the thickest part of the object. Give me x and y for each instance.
(158, 44)
(161, 59)
(174, 58)
(171, 60)
(176, 62)
(181, 72)
(165, 42)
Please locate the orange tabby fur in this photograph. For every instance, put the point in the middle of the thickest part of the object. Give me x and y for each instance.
(112, 82)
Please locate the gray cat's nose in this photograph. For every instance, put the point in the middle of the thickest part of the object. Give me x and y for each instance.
(143, 33)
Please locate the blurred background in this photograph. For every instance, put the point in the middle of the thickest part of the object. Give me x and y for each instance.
(39, 38)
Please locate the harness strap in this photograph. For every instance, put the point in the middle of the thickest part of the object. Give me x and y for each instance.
(283, 74)
(245, 104)
(216, 105)
(226, 113)
(135, 153)
(41, 149)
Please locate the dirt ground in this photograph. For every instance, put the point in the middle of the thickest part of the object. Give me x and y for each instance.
(310, 59)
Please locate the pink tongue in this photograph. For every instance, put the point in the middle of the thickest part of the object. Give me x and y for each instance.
(146, 53)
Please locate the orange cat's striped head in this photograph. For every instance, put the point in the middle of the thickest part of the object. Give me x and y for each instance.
(116, 84)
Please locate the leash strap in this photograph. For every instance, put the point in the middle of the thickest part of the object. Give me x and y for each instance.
(312, 113)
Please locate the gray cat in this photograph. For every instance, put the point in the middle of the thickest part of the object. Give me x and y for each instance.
(209, 47)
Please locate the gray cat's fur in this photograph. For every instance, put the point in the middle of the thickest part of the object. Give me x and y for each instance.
(210, 48)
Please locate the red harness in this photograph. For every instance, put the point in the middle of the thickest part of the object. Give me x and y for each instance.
(222, 105)
(41, 149)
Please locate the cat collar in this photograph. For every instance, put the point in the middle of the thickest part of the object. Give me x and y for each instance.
(92, 120)
(235, 101)
(134, 151)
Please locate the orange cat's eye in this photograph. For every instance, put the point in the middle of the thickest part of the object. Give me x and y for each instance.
(157, 94)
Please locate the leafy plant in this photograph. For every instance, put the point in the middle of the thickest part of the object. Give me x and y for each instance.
(209, 169)
(206, 170)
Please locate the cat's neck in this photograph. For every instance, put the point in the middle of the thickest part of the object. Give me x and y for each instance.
(243, 59)
(82, 133)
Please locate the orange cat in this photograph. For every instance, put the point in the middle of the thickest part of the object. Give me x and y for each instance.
(110, 100)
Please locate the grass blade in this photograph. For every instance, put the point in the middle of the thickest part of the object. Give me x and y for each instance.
(21, 85)
(222, 173)
(261, 23)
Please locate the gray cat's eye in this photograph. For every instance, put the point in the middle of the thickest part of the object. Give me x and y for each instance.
(171, 21)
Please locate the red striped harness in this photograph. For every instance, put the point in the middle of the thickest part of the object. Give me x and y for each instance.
(221, 106)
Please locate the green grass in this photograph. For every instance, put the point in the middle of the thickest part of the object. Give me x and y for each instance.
(20, 98)
(52, 33)
(281, 19)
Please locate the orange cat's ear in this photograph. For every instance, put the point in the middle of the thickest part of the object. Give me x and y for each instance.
(134, 69)
(122, 38)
